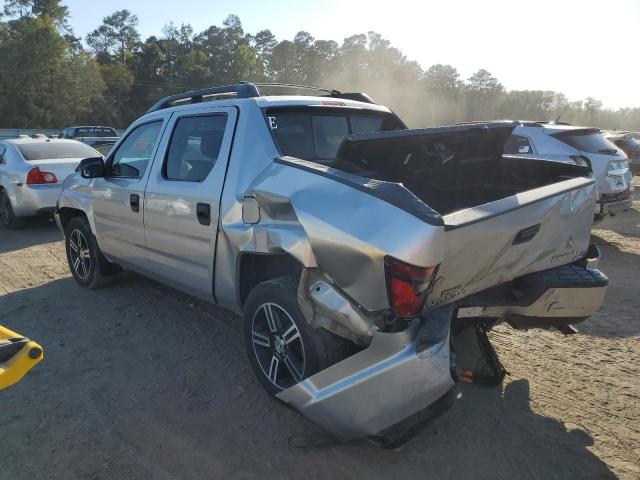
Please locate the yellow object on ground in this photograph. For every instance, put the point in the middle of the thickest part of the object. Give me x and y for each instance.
(18, 355)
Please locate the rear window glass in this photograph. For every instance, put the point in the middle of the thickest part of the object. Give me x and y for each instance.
(95, 132)
(317, 136)
(588, 141)
(53, 150)
(628, 143)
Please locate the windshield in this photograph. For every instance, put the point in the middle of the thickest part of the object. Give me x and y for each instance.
(94, 132)
(315, 135)
(52, 150)
(590, 141)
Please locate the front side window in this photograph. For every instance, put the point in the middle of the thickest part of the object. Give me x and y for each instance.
(317, 137)
(194, 147)
(133, 154)
(517, 144)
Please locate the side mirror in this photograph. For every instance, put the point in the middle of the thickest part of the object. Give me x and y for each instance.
(91, 167)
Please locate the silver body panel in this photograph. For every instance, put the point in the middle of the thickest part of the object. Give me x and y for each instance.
(340, 236)
(27, 200)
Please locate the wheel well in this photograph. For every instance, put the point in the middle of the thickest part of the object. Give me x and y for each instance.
(66, 214)
(255, 268)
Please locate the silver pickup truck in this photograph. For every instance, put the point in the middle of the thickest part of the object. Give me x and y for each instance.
(349, 243)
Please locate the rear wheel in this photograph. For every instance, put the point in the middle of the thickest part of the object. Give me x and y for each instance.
(8, 218)
(282, 348)
(88, 265)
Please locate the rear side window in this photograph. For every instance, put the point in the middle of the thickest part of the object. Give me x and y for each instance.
(195, 147)
(46, 150)
(2, 150)
(317, 137)
(589, 141)
(517, 144)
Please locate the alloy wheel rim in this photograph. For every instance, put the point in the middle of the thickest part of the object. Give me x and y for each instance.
(80, 254)
(277, 345)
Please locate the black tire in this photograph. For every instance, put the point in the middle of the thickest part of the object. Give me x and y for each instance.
(88, 265)
(308, 353)
(8, 218)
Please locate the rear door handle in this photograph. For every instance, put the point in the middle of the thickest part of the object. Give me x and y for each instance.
(203, 212)
(134, 201)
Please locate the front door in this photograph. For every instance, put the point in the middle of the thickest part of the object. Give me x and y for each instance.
(182, 199)
(118, 197)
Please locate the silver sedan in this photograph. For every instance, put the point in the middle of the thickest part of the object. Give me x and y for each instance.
(31, 174)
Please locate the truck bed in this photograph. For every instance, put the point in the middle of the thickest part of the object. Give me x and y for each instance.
(503, 216)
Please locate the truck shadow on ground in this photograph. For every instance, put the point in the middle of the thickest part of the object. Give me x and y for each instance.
(39, 230)
(138, 383)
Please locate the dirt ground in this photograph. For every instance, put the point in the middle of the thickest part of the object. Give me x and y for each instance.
(140, 381)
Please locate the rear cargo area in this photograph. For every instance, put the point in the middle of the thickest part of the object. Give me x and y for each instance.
(450, 168)
(503, 216)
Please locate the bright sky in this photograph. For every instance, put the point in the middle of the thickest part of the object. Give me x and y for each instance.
(581, 48)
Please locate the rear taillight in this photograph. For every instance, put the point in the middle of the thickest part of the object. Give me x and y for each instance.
(407, 286)
(38, 177)
(581, 160)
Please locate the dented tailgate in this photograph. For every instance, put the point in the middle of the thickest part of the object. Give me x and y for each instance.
(502, 240)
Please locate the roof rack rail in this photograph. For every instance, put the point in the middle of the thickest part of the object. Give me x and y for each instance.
(248, 90)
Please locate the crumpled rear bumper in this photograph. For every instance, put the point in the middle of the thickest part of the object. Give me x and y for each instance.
(397, 376)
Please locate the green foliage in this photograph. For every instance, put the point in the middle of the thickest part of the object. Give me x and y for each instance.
(47, 79)
(41, 82)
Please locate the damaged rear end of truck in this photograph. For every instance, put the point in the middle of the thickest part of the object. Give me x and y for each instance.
(406, 235)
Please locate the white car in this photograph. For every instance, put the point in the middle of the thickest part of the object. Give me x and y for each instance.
(31, 174)
(581, 146)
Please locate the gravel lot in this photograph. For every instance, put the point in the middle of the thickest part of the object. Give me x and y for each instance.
(140, 381)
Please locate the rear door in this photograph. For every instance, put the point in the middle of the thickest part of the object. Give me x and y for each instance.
(182, 199)
(118, 197)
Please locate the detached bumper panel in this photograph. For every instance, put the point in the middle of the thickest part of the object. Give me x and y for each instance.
(397, 376)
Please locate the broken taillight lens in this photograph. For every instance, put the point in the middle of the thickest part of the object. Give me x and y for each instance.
(38, 177)
(407, 286)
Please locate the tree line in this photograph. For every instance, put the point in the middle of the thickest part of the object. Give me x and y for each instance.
(49, 78)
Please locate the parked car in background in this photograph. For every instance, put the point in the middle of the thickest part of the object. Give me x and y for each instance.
(100, 138)
(31, 175)
(348, 241)
(629, 144)
(579, 146)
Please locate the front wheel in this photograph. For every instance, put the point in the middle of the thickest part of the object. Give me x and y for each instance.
(282, 348)
(88, 265)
